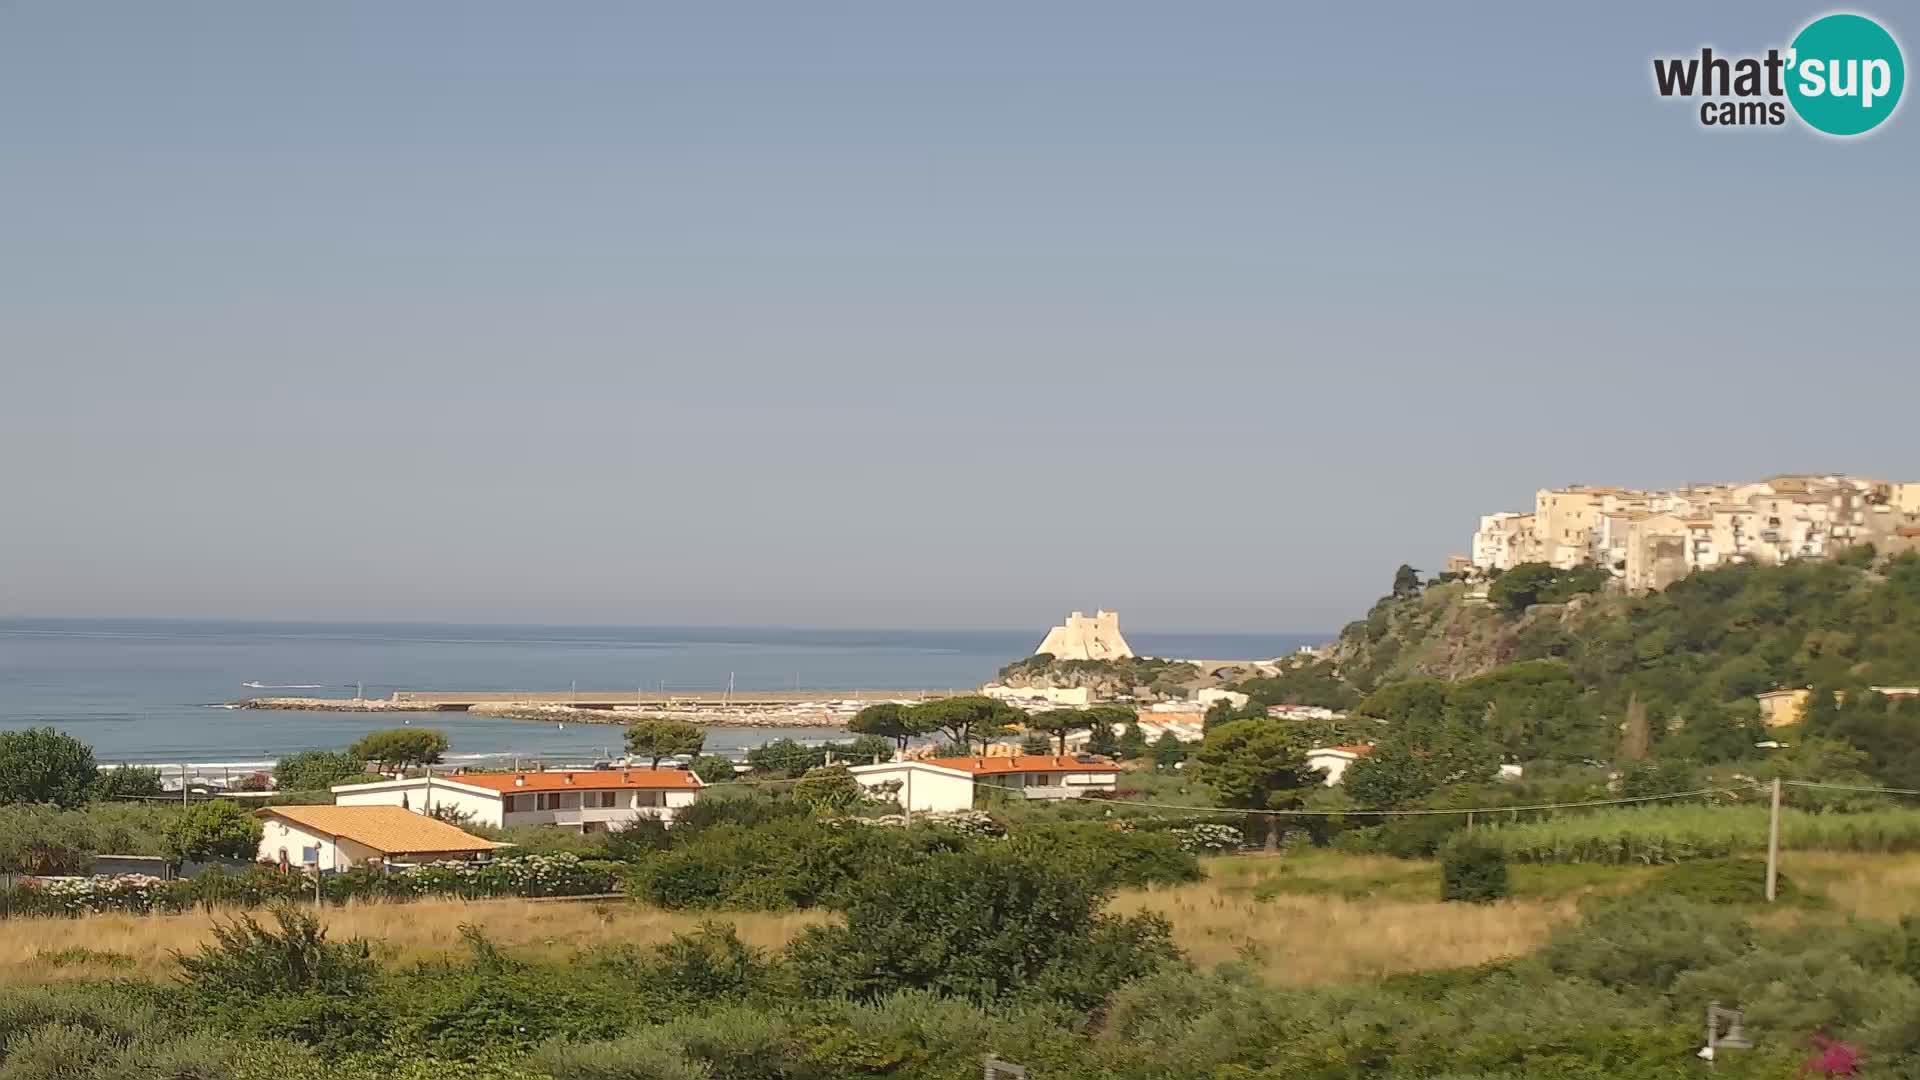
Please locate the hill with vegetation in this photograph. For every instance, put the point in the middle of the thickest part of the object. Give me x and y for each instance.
(1551, 665)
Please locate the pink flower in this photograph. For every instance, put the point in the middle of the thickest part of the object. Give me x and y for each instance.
(1831, 1058)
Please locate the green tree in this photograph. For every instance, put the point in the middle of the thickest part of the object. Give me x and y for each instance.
(128, 782)
(968, 720)
(1059, 723)
(1168, 751)
(316, 770)
(1103, 741)
(889, 719)
(1132, 744)
(829, 789)
(218, 829)
(712, 768)
(984, 924)
(41, 765)
(1256, 765)
(785, 757)
(1036, 745)
(657, 739)
(1521, 587)
(401, 748)
(1419, 758)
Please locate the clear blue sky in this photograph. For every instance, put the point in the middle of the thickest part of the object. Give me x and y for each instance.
(884, 314)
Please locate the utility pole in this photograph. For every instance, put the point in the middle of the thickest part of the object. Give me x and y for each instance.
(1773, 845)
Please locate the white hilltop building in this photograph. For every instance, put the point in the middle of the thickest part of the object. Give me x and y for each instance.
(1083, 638)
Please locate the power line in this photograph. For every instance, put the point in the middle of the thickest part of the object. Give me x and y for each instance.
(1436, 813)
(1851, 787)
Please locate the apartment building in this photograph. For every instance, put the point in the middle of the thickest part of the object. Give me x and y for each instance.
(1650, 539)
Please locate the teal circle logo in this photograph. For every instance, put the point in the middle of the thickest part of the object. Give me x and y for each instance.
(1845, 74)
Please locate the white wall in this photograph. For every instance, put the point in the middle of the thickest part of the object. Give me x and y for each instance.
(489, 808)
(485, 806)
(341, 855)
(933, 790)
(1053, 785)
(1335, 764)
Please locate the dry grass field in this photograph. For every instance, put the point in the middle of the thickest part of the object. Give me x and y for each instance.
(142, 946)
(1300, 919)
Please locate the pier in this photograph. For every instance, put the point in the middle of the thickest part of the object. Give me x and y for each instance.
(463, 700)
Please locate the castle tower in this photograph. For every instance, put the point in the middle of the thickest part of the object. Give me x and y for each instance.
(1083, 638)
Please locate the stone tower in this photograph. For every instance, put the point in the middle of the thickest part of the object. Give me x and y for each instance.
(1081, 638)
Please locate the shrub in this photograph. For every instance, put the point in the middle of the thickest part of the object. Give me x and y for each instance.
(44, 840)
(217, 829)
(127, 782)
(1646, 942)
(982, 924)
(1111, 854)
(1717, 881)
(251, 960)
(786, 863)
(1472, 871)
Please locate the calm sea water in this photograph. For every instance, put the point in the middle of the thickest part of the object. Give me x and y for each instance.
(143, 690)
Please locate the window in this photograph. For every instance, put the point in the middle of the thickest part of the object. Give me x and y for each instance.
(602, 799)
(549, 800)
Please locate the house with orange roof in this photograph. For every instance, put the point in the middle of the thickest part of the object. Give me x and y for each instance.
(334, 838)
(1037, 776)
(583, 800)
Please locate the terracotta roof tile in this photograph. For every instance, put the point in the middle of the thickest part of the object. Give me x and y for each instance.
(581, 780)
(994, 766)
(390, 830)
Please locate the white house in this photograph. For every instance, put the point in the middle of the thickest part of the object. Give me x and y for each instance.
(1335, 759)
(331, 838)
(920, 787)
(588, 800)
(1037, 776)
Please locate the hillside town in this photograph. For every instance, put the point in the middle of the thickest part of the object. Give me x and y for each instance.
(1649, 539)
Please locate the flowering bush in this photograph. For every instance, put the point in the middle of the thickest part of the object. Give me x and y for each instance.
(973, 824)
(1208, 839)
(89, 895)
(518, 875)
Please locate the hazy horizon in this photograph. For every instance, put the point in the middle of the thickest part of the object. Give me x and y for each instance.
(855, 315)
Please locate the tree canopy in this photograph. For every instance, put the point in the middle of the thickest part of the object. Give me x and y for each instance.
(217, 829)
(41, 765)
(658, 739)
(401, 747)
(316, 770)
(1256, 765)
(890, 720)
(969, 719)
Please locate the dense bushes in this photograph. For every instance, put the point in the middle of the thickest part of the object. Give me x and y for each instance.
(984, 924)
(790, 862)
(1472, 870)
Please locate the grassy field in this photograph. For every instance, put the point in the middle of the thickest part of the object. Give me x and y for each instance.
(1299, 919)
(142, 946)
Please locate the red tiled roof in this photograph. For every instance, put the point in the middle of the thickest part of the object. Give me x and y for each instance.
(581, 780)
(995, 766)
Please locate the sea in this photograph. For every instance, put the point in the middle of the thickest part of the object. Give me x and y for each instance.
(153, 691)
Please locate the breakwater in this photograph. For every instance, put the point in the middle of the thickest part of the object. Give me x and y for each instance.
(745, 708)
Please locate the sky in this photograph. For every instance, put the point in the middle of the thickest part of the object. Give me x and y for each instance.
(897, 315)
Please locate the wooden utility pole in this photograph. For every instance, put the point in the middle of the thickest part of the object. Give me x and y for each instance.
(1773, 845)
